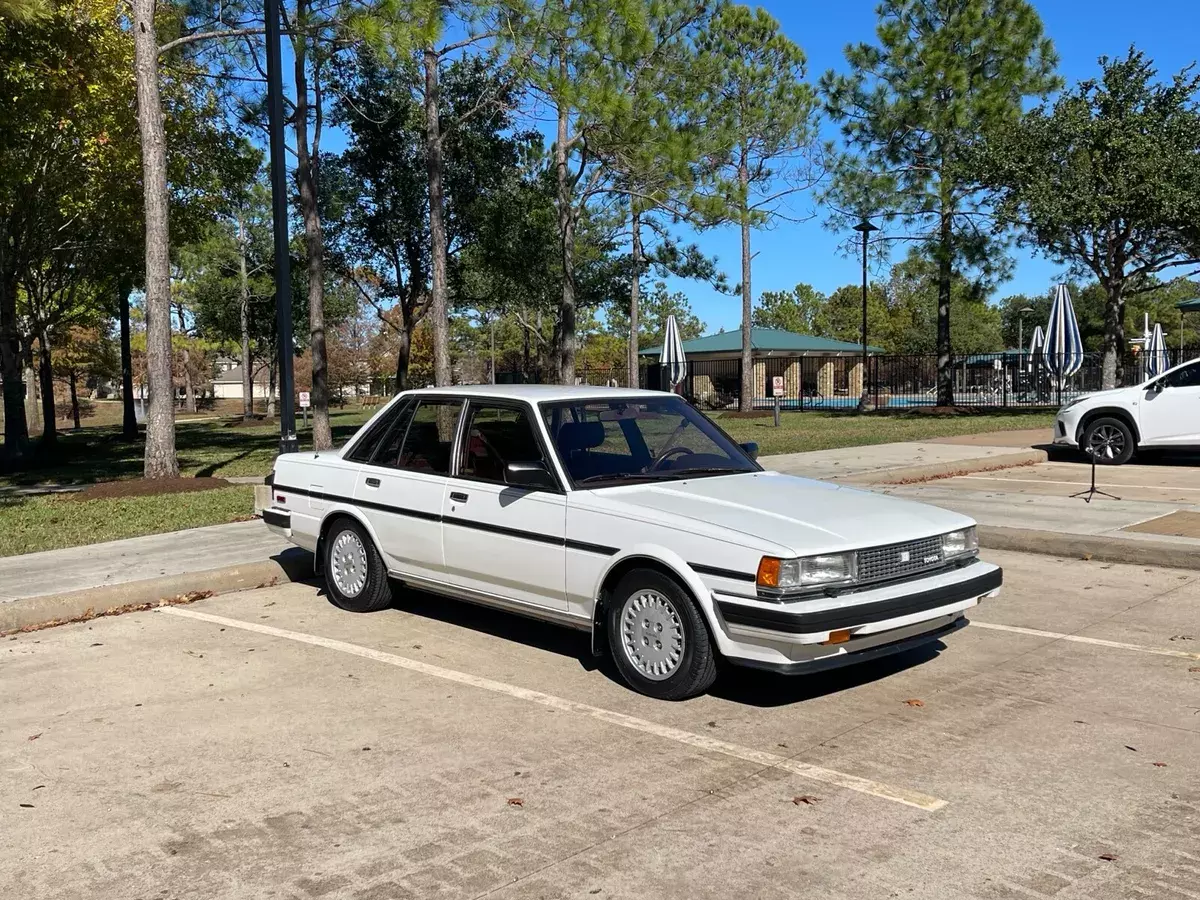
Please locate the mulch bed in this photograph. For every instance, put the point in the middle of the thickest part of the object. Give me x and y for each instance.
(142, 487)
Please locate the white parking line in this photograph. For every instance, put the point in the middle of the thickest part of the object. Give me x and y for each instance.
(701, 742)
(1077, 639)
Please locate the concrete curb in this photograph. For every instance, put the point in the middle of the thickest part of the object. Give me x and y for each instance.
(291, 565)
(1088, 546)
(932, 471)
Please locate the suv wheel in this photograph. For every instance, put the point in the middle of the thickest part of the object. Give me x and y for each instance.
(659, 640)
(1109, 441)
(355, 577)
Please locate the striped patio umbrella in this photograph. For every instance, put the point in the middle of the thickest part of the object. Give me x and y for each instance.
(674, 363)
(1157, 360)
(1036, 346)
(1063, 352)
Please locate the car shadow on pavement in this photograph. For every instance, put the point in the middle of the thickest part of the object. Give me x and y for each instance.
(754, 687)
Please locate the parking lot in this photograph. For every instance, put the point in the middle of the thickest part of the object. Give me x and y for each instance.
(265, 744)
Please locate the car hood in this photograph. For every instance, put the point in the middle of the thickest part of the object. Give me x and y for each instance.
(799, 514)
(1111, 395)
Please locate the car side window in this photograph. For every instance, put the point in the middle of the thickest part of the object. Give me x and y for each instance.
(1188, 376)
(388, 449)
(427, 442)
(494, 436)
(381, 430)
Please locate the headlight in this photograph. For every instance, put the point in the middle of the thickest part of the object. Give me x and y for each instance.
(960, 543)
(807, 572)
(1074, 402)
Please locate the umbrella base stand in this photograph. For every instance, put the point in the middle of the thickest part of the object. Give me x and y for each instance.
(1092, 490)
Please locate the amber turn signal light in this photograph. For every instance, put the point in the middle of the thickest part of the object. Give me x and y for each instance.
(838, 637)
(768, 572)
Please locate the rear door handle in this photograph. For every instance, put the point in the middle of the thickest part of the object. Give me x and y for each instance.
(372, 482)
(458, 497)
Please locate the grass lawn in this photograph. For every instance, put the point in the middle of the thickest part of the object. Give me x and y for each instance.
(50, 522)
(802, 431)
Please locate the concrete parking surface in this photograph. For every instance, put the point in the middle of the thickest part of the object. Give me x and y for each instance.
(264, 744)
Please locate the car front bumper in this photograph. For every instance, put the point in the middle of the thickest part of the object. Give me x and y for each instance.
(1066, 428)
(798, 636)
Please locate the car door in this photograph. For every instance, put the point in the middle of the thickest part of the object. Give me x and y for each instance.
(1171, 416)
(498, 538)
(401, 487)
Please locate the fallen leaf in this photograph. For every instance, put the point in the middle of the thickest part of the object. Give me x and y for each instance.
(1159, 765)
(1086, 557)
(1080, 722)
(97, 645)
(1134, 749)
(913, 701)
(34, 737)
(712, 724)
(515, 801)
(1194, 669)
(1108, 857)
(781, 745)
(39, 787)
(806, 799)
(26, 805)
(1182, 637)
(366, 748)
(416, 646)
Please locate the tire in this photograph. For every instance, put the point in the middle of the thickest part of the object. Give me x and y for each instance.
(645, 607)
(1109, 441)
(355, 577)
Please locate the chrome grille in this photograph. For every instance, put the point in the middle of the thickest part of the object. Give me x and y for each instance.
(899, 560)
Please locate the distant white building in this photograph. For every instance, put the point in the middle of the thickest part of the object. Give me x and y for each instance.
(227, 385)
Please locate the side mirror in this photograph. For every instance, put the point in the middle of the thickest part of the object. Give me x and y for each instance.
(750, 448)
(531, 475)
(1158, 386)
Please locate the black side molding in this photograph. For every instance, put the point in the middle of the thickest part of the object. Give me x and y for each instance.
(862, 614)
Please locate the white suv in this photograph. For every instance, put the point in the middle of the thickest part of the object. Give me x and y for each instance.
(1163, 412)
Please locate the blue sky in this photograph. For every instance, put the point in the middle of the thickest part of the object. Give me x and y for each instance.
(1167, 30)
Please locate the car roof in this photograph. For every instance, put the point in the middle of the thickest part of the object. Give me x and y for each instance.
(536, 393)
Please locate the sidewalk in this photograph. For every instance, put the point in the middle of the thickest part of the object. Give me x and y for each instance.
(1025, 509)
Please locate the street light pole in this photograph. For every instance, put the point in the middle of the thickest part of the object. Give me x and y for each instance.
(1021, 313)
(865, 228)
(288, 442)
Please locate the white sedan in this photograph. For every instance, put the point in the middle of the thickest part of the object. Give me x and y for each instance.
(632, 516)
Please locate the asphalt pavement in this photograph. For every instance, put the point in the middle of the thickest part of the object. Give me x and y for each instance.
(265, 744)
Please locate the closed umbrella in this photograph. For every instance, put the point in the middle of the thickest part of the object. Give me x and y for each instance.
(1157, 361)
(1035, 349)
(672, 360)
(1063, 352)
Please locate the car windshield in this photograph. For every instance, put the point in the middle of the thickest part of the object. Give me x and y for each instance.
(621, 440)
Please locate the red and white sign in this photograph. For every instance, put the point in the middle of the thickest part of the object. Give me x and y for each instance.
(777, 386)
(305, 400)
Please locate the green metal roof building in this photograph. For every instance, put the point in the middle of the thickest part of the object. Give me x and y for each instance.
(808, 370)
(764, 342)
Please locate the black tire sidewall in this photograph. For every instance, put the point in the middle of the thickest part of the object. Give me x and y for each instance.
(696, 637)
(368, 599)
(1130, 442)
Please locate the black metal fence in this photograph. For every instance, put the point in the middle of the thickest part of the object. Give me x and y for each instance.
(992, 380)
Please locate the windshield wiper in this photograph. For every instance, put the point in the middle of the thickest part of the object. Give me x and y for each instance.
(620, 476)
(703, 470)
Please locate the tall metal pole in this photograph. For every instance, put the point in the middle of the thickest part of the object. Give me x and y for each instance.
(288, 442)
(865, 228)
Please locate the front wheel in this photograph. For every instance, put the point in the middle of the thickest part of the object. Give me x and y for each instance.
(659, 641)
(355, 576)
(1109, 441)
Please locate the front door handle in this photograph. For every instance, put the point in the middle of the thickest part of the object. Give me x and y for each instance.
(458, 497)
(372, 482)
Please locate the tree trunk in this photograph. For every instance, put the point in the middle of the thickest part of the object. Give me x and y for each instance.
(404, 347)
(438, 248)
(746, 399)
(46, 377)
(161, 461)
(314, 241)
(524, 348)
(33, 411)
(635, 292)
(274, 368)
(1113, 366)
(16, 426)
(244, 326)
(945, 275)
(74, 401)
(129, 429)
(564, 331)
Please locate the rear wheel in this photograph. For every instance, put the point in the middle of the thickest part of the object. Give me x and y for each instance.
(1109, 441)
(355, 576)
(659, 641)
